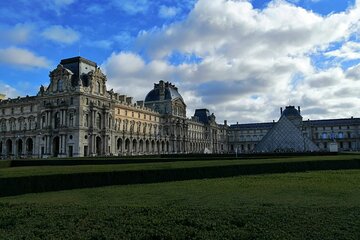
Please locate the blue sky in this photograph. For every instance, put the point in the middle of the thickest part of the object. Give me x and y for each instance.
(241, 59)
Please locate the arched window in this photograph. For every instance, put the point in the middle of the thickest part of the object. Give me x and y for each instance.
(98, 121)
(57, 120)
(98, 87)
(71, 120)
(324, 135)
(86, 120)
(60, 85)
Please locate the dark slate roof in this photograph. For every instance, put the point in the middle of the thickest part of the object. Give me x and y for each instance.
(18, 100)
(266, 125)
(170, 94)
(76, 60)
(291, 111)
(332, 122)
(202, 115)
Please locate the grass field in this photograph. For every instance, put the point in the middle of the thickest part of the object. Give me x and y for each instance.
(311, 205)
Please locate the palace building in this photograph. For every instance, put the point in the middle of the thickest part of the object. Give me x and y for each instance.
(76, 115)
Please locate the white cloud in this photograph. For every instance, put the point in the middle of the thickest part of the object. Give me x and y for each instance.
(253, 61)
(129, 74)
(132, 7)
(348, 51)
(168, 12)
(95, 8)
(60, 34)
(105, 44)
(9, 91)
(22, 57)
(18, 34)
(58, 5)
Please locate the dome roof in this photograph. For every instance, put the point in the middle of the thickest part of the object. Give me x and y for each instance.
(170, 92)
(291, 111)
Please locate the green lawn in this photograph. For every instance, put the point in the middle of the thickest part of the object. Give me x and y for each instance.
(311, 205)
(49, 170)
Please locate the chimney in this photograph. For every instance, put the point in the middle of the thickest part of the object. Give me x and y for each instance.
(129, 100)
(299, 110)
(225, 122)
(162, 90)
(281, 111)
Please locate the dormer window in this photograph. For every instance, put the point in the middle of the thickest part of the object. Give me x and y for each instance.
(98, 87)
(60, 85)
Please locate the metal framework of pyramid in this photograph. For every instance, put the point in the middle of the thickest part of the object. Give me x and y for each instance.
(284, 136)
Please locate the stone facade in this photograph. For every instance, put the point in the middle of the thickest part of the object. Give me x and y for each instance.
(345, 132)
(76, 115)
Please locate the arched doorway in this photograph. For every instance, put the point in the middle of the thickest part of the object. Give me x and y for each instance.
(9, 147)
(158, 147)
(147, 146)
(119, 145)
(98, 146)
(29, 146)
(19, 147)
(152, 146)
(127, 145)
(56, 146)
(134, 146)
(141, 146)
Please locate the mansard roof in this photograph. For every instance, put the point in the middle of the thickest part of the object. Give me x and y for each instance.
(77, 60)
(170, 92)
(252, 125)
(333, 122)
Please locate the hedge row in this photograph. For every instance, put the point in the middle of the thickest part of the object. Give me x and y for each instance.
(32, 184)
(5, 163)
(149, 159)
(96, 161)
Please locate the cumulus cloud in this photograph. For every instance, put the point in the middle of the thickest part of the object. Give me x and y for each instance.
(58, 5)
(104, 44)
(129, 74)
(60, 34)
(168, 12)
(18, 34)
(132, 7)
(252, 61)
(353, 72)
(9, 91)
(22, 57)
(348, 51)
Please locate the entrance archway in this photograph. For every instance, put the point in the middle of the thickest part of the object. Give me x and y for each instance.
(98, 146)
(19, 147)
(141, 146)
(127, 145)
(147, 146)
(56, 146)
(9, 147)
(119, 145)
(29, 146)
(152, 146)
(134, 146)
